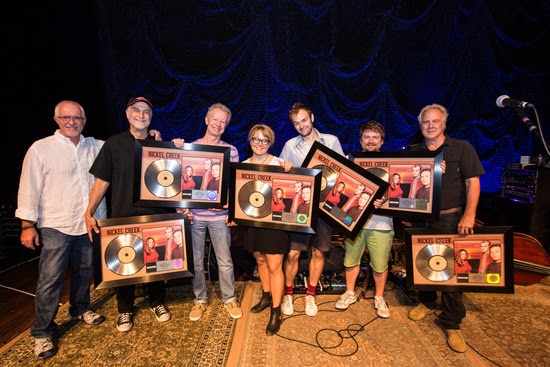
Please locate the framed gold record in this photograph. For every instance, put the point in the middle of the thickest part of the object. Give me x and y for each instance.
(403, 171)
(444, 260)
(193, 176)
(142, 249)
(348, 191)
(268, 197)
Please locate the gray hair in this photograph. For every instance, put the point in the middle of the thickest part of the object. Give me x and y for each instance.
(433, 106)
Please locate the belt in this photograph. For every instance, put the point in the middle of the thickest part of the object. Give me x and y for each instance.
(451, 210)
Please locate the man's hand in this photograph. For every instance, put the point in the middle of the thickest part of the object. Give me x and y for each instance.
(178, 142)
(30, 238)
(466, 224)
(156, 134)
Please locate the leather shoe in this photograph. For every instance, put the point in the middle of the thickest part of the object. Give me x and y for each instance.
(275, 321)
(455, 340)
(419, 312)
(264, 303)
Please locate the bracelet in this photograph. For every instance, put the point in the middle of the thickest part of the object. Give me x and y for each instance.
(27, 227)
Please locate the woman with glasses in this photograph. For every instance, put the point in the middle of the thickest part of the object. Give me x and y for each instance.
(268, 246)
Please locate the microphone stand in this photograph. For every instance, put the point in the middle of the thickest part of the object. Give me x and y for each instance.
(532, 127)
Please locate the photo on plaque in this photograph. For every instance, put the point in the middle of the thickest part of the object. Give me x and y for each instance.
(414, 181)
(268, 197)
(442, 260)
(347, 191)
(142, 249)
(193, 176)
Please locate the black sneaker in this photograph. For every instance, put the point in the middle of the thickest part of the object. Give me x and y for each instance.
(125, 321)
(161, 313)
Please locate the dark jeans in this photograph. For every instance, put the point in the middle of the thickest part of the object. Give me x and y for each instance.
(125, 296)
(453, 310)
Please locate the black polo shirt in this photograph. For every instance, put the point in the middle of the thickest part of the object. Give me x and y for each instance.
(115, 164)
(462, 163)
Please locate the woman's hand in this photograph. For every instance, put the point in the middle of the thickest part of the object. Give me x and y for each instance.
(286, 165)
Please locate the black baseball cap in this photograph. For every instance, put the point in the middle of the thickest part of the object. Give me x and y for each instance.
(135, 100)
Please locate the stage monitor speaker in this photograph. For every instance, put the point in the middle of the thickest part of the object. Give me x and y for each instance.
(524, 201)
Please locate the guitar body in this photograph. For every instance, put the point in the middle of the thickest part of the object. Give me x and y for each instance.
(531, 261)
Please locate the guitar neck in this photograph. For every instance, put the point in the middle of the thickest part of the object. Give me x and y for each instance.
(524, 265)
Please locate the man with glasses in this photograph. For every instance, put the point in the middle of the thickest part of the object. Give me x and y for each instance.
(295, 151)
(53, 193)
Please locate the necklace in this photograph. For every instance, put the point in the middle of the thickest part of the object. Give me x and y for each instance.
(265, 159)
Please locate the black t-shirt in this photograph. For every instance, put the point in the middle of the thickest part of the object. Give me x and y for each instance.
(115, 164)
(462, 163)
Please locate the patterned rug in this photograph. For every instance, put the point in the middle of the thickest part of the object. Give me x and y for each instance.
(500, 330)
(179, 342)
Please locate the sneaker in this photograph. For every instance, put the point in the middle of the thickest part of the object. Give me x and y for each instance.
(90, 318)
(44, 348)
(161, 313)
(346, 299)
(197, 311)
(381, 307)
(287, 308)
(419, 312)
(234, 309)
(311, 307)
(125, 321)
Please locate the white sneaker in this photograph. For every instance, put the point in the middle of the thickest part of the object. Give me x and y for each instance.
(346, 299)
(311, 307)
(381, 307)
(287, 308)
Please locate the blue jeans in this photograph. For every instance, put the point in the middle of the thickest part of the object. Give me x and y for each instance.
(57, 250)
(220, 235)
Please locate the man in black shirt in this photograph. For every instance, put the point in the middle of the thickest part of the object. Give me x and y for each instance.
(460, 190)
(114, 168)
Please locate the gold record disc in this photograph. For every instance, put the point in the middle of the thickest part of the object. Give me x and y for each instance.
(435, 262)
(124, 255)
(162, 178)
(380, 173)
(255, 199)
(327, 181)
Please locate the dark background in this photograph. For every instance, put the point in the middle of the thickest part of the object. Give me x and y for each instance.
(351, 61)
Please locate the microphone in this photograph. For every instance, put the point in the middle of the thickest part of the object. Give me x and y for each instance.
(505, 101)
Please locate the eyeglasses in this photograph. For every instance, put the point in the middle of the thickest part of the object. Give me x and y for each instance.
(263, 141)
(69, 118)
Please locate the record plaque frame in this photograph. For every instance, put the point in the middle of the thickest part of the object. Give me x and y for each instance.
(160, 178)
(344, 213)
(388, 164)
(253, 187)
(431, 260)
(120, 250)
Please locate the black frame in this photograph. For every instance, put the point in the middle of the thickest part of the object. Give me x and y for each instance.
(429, 267)
(168, 162)
(337, 168)
(116, 232)
(249, 181)
(381, 163)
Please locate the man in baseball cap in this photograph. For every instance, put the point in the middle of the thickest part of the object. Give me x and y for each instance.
(135, 100)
